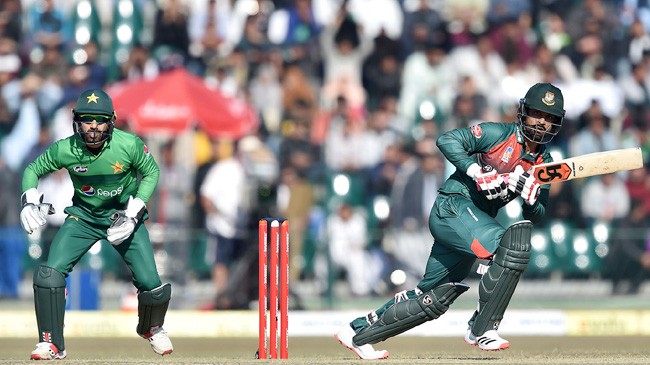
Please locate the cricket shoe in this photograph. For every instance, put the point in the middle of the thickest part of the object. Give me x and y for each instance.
(160, 343)
(489, 341)
(47, 351)
(365, 352)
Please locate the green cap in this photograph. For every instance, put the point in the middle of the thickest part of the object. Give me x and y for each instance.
(545, 97)
(94, 101)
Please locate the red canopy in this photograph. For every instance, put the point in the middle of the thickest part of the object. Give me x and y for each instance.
(177, 100)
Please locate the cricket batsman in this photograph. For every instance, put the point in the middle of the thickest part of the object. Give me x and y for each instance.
(108, 204)
(491, 160)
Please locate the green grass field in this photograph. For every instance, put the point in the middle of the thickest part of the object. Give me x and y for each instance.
(319, 350)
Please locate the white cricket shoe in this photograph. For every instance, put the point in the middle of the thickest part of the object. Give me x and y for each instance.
(160, 343)
(489, 341)
(365, 352)
(470, 339)
(47, 351)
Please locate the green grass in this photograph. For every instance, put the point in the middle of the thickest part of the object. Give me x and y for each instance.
(319, 350)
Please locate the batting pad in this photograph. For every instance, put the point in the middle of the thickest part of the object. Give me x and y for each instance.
(499, 282)
(152, 307)
(49, 304)
(404, 315)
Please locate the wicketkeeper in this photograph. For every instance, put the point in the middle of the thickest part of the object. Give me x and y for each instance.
(108, 204)
(492, 160)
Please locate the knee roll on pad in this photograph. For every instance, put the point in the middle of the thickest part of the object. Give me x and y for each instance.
(49, 304)
(152, 307)
(514, 249)
(499, 282)
(404, 315)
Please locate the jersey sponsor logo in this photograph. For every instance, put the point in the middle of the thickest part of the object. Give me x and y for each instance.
(477, 131)
(110, 193)
(80, 169)
(507, 154)
(117, 167)
(88, 190)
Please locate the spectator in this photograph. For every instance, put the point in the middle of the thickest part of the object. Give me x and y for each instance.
(425, 74)
(596, 136)
(222, 197)
(11, 20)
(207, 30)
(604, 199)
(422, 23)
(12, 239)
(629, 258)
(171, 28)
(295, 200)
(486, 66)
(139, 65)
(638, 186)
(348, 236)
(343, 145)
(266, 96)
(169, 208)
(383, 80)
(48, 25)
(636, 86)
(300, 37)
(296, 149)
(469, 107)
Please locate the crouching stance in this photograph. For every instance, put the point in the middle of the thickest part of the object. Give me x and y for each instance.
(492, 161)
(108, 204)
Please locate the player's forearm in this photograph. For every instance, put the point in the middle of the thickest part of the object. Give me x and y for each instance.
(452, 147)
(30, 179)
(147, 186)
(534, 213)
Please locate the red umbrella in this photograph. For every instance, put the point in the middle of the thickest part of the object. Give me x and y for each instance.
(178, 100)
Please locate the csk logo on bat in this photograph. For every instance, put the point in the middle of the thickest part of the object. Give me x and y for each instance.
(551, 173)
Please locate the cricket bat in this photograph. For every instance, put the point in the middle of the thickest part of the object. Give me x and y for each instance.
(598, 163)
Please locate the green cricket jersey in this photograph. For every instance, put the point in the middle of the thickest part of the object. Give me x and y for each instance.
(104, 182)
(500, 145)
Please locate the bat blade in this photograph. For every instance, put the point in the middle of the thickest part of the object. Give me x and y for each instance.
(591, 164)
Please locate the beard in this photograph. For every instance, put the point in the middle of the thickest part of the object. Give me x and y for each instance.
(93, 138)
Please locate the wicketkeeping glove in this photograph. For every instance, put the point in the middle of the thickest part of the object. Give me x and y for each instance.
(524, 184)
(488, 181)
(124, 221)
(34, 211)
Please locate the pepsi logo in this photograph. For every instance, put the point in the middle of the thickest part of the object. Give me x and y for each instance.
(88, 190)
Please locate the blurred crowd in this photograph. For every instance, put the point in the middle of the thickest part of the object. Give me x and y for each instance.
(350, 96)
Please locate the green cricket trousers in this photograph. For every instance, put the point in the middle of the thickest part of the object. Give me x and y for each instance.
(77, 236)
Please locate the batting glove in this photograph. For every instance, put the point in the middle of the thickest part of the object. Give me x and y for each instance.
(488, 181)
(34, 211)
(523, 183)
(124, 221)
